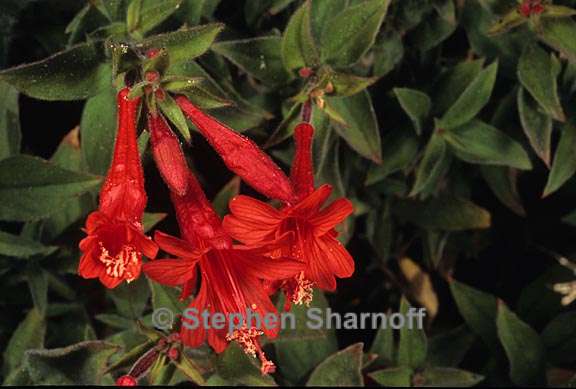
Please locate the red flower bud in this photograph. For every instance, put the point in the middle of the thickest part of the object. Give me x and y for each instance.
(240, 154)
(151, 53)
(302, 173)
(173, 354)
(126, 380)
(305, 72)
(168, 154)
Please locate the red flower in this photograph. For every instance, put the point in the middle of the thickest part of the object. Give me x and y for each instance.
(113, 249)
(253, 222)
(231, 276)
(240, 154)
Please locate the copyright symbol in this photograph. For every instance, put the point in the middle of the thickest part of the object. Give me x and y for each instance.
(162, 318)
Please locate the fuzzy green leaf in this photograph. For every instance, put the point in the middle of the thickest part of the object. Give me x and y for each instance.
(10, 136)
(416, 104)
(413, 345)
(31, 188)
(537, 74)
(351, 33)
(73, 74)
(340, 369)
(537, 126)
(434, 163)
(523, 347)
(564, 164)
(21, 247)
(298, 47)
(472, 100)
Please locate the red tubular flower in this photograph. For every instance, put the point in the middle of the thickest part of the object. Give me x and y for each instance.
(231, 276)
(168, 154)
(240, 154)
(253, 222)
(113, 249)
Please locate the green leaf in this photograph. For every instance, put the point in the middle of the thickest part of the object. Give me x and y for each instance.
(450, 348)
(393, 377)
(559, 34)
(388, 52)
(503, 182)
(433, 165)
(187, 366)
(478, 309)
(399, 148)
(361, 130)
(174, 114)
(536, 72)
(28, 335)
(223, 197)
(384, 346)
(559, 338)
(480, 143)
(73, 74)
(185, 44)
(453, 82)
(340, 369)
(298, 47)
(523, 347)
(10, 136)
(416, 104)
(413, 345)
(299, 350)
(351, 33)
(564, 164)
(472, 99)
(21, 247)
(167, 298)
(131, 300)
(79, 364)
(31, 188)
(133, 14)
(98, 129)
(537, 126)
(349, 84)
(259, 57)
(38, 284)
(151, 13)
(151, 219)
(237, 368)
(449, 377)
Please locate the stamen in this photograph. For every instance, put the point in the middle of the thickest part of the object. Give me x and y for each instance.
(118, 266)
(302, 290)
(568, 289)
(247, 338)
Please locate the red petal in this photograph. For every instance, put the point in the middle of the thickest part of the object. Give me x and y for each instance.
(88, 266)
(172, 245)
(251, 221)
(171, 272)
(331, 216)
(144, 244)
(312, 203)
(110, 282)
(194, 337)
(337, 257)
(266, 268)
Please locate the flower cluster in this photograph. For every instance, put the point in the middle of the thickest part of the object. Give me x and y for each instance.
(229, 265)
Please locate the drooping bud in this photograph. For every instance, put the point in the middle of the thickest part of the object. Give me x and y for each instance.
(168, 154)
(302, 172)
(240, 154)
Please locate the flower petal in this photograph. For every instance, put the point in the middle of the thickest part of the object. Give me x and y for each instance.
(194, 337)
(251, 221)
(312, 203)
(331, 216)
(171, 272)
(88, 267)
(172, 245)
(265, 268)
(338, 258)
(145, 245)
